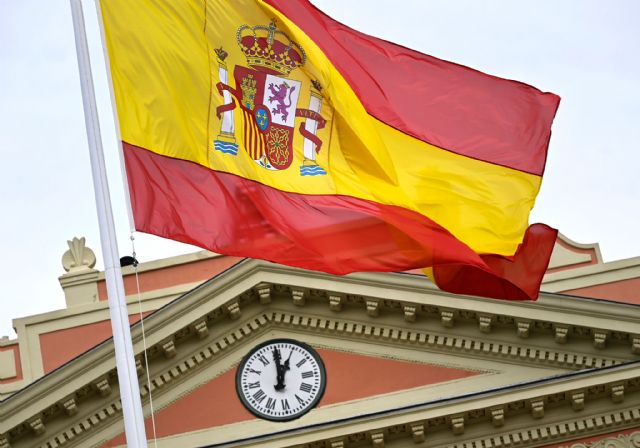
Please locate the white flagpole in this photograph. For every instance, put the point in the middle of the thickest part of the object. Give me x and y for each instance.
(125, 362)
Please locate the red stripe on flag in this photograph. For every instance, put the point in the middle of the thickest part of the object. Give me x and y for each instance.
(451, 106)
(231, 215)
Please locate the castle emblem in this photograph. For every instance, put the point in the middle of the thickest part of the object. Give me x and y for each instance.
(268, 98)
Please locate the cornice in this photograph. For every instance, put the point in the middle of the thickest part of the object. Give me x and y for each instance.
(583, 277)
(388, 308)
(164, 294)
(168, 262)
(5, 341)
(571, 243)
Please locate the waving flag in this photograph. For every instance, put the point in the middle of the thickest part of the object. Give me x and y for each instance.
(265, 129)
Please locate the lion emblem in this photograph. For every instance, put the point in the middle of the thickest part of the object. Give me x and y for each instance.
(280, 97)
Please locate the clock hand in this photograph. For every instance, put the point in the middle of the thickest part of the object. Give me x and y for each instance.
(282, 370)
(279, 370)
(286, 363)
(276, 358)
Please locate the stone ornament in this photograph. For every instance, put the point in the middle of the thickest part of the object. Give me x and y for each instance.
(78, 257)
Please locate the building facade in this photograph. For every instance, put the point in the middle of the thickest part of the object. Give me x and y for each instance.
(406, 364)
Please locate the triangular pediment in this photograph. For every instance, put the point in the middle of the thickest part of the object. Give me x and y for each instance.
(391, 342)
(364, 377)
(354, 380)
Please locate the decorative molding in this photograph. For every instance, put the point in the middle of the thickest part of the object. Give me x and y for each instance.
(484, 322)
(298, 297)
(264, 293)
(537, 408)
(37, 426)
(373, 307)
(79, 256)
(84, 427)
(204, 354)
(79, 283)
(168, 347)
(446, 342)
(617, 393)
(619, 441)
(600, 338)
(377, 439)
(233, 309)
(139, 367)
(540, 434)
(447, 318)
(635, 344)
(335, 302)
(497, 417)
(546, 434)
(457, 424)
(201, 328)
(409, 312)
(102, 386)
(70, 406)
(4, 441)
(417, 432)
(561, 333)
(577, 400)
(523, 328)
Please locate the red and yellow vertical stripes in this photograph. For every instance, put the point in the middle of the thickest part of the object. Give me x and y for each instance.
(253, 138)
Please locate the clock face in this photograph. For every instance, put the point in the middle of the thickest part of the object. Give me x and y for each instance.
(281, 379)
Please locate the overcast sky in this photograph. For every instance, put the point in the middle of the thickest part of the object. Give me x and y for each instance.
(584, 51)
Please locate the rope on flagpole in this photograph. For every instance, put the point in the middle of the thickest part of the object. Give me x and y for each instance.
(144, 339)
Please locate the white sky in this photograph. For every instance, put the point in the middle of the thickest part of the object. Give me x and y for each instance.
(584, 51)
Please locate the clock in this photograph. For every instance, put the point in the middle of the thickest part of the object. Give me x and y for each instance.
(281, 379)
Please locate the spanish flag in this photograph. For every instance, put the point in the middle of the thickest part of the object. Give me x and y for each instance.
(265, 129)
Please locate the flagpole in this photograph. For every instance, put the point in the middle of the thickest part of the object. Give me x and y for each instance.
(125, 362)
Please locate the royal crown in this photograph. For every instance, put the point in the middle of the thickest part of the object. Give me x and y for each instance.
(264, 51)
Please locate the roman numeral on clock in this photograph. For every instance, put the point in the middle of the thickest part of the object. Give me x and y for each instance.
(271, 404)
(285, 404)
(263, 359)
(302, 361)
(259, 396)
(308, 374)
(305, 387)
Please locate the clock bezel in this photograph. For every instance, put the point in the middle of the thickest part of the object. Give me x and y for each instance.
(323, 380)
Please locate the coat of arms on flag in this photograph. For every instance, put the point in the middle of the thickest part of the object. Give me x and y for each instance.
(268, 96)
